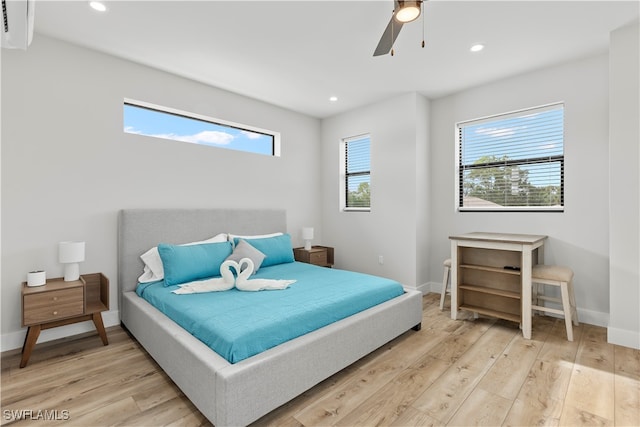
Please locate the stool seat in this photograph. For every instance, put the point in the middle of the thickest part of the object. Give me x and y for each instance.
(562, 277)
(559, 273)
(447, 262)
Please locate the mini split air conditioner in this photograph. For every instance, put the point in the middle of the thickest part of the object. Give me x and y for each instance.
(17, 23)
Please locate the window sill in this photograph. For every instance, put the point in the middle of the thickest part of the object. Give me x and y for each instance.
(506, 209)
(356, 209)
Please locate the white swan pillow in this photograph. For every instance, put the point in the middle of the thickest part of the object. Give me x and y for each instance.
(245, 250)
(153, 268)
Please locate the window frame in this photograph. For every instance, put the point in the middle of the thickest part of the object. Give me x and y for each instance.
(344, 174)
(275, 136)
(460, 168)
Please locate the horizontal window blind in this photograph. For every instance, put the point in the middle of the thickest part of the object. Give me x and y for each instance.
(358, 172)
(513, 161)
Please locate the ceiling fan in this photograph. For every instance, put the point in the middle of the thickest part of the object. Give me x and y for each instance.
(403, 12)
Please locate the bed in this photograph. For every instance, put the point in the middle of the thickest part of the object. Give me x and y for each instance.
(234, 394)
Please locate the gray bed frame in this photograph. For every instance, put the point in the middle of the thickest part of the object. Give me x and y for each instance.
(238, 394)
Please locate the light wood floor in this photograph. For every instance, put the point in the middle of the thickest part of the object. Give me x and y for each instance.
(471, 372)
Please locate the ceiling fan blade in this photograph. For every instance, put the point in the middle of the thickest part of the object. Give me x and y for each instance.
(388, 38)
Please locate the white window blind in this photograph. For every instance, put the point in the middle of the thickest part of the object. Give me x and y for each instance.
(357, 168)
(512, 162)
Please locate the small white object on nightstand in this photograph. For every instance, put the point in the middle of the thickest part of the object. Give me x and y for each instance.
(36, 278)
(70, 254)
(307, 236)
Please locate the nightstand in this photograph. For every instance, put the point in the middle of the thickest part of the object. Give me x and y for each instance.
(317, 255)
(59, 303)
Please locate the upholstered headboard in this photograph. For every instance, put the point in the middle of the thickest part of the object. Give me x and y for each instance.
(141, 229)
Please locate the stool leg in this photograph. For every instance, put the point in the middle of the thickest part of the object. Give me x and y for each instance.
(445, 283)
(566, 306)
(535, 292)
(574, 307)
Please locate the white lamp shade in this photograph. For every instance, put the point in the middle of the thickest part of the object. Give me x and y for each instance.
(307, 236)
(307, 233)
(69, 252)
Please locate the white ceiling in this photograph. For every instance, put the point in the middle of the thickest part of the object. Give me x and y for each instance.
(296, 54)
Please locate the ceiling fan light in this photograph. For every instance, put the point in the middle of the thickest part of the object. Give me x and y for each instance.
(99, 6)
(408, 11)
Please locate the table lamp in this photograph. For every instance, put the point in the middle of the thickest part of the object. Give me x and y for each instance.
(307, 236)
(70, 254)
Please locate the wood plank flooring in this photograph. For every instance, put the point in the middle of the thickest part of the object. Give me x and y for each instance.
(458, 373)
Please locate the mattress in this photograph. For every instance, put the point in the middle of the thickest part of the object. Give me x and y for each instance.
(238, 325)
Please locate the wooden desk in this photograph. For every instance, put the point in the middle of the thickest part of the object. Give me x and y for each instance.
(480, 282)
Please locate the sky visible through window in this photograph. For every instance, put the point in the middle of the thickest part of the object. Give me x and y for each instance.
(359, 160)
(530, 136)
(160, 124)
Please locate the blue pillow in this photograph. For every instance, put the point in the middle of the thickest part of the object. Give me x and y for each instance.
(183, 264)
(277, 250)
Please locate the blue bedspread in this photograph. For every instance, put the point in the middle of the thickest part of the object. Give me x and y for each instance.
(238, 325)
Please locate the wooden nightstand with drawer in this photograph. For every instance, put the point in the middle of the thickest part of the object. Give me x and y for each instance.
(59, 303)
(317, 255)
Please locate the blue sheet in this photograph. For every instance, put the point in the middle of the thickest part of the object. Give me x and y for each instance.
(238, 325)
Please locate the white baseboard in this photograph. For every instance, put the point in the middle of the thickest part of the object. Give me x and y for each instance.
(591, 317)
(15, 340)
(623, 337)
(425, 288)
(432, 287)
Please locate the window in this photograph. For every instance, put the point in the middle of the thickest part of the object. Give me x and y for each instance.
(356, 185)
(167, 123)
(512, 162)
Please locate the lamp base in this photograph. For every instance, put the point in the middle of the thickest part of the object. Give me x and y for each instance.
(307, 245)
(71, 272)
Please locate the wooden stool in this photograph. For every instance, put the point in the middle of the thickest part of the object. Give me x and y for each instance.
(445, 281)
(555, 275)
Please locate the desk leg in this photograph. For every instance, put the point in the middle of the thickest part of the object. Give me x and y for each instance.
(29, 342)
(454, 280)
(97, 320)
(525, 277)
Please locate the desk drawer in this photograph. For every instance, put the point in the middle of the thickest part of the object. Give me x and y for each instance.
(50, 306)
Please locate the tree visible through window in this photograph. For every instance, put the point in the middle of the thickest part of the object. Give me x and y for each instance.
(513, 161)
(357, 172)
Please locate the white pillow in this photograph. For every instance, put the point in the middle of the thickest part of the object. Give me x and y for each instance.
(232, 237)
(153, 269)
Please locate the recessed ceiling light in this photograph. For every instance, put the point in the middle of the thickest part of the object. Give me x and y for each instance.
(333, 98)
(96, 5)
(476, 47)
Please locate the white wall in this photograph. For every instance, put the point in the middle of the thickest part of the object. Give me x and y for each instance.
(579, 237)
(67, 166)
(62, 134)
(399, 159)
(624, 156)
(423, 193)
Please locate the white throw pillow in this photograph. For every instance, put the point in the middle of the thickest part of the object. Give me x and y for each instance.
(245, 250)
